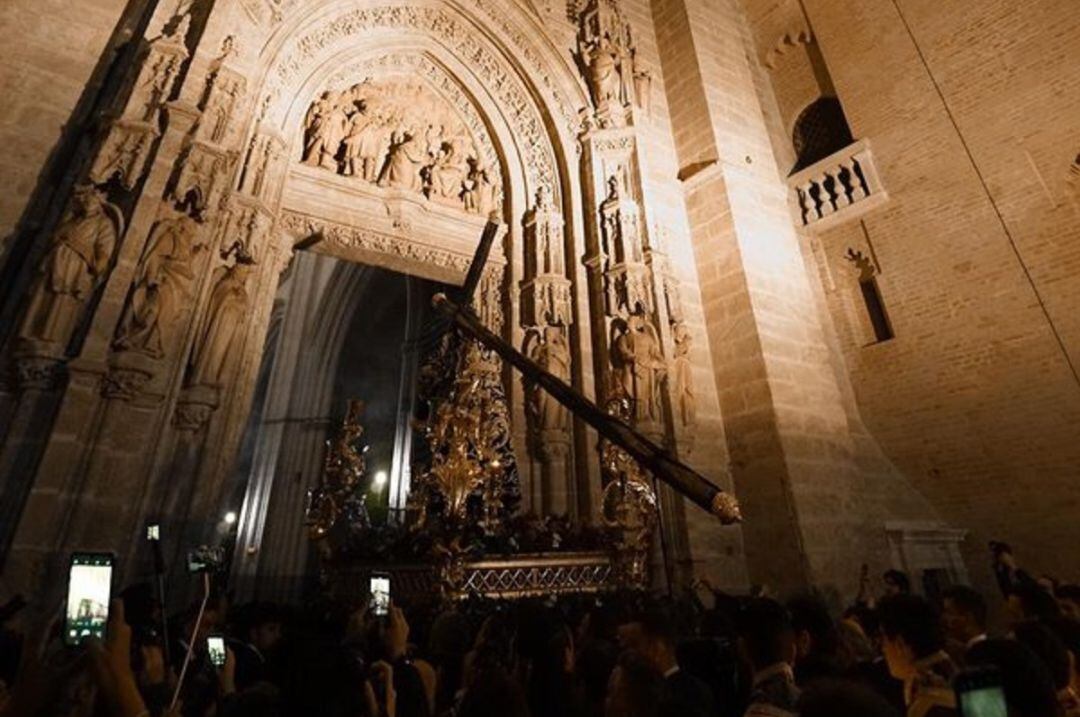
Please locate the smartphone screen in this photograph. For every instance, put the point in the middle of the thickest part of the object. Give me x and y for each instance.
(380, 595)
(979, 693)
(215, 648)
(89, 586)
(986, 701)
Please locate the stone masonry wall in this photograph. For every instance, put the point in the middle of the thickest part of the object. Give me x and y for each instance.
(50, 53)
(973, 114)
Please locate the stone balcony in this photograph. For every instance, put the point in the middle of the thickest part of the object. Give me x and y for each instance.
(842, 187)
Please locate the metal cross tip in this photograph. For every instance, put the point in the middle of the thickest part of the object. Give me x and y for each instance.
(726, 507)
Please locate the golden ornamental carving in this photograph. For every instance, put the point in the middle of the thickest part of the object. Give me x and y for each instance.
(339, 494)
(628, 503)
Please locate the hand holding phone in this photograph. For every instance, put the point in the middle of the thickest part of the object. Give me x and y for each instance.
(215, 649)
(89, 590)
(379, 589)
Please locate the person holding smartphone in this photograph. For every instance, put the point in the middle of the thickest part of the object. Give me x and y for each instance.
(913, 642)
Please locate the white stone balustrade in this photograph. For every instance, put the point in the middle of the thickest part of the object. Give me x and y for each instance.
(841, 187)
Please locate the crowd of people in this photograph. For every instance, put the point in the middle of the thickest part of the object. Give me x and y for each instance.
(634, 655)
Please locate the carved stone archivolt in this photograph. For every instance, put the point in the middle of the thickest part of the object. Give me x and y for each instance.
(400, 133)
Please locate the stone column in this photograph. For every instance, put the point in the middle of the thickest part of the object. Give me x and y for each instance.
(792, 450)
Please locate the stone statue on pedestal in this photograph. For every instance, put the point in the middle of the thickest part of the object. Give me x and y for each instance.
(162, 288)
(76, 263)
(223, 325)
(639, 367)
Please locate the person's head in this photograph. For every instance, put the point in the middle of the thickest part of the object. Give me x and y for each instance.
(1068, 599)
(1049, 648)
(815, 631)
(263, 628)
(843, 698)
(635, 689)
(1028, 686)
(766, 634)
(963, 613)
(910, 631)
(896, 582)
(1030, 602)
(651, 634)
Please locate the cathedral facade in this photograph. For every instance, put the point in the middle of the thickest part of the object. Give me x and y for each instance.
(831, 252)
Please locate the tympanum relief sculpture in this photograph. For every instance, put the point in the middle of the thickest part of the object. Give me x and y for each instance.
(400, 134)
(76, 263)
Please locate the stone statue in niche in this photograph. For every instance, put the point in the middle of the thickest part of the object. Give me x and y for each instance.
(683, 376)
(551, 352)
(639, 366)
(77, 261)
(397, 132)
(549, 249)
(605, 53)
(224, 323)
(162, 287)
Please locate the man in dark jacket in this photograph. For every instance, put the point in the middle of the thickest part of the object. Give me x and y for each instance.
(652, 635)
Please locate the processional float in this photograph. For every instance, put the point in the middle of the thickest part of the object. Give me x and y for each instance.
(461, 536)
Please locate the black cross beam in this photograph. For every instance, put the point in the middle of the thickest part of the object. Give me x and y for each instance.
(684, 479)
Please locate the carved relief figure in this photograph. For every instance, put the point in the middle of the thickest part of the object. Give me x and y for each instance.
(224, 324)
(325, 129)
(683, 376)
(74, 266)
(444, 178)
(639, 367)
(403, 163)
(479, 193)
(551, 352)
(162, 287)
(354, 139)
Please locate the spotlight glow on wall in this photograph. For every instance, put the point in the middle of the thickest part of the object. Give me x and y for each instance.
(380, 480)
(230, 518)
